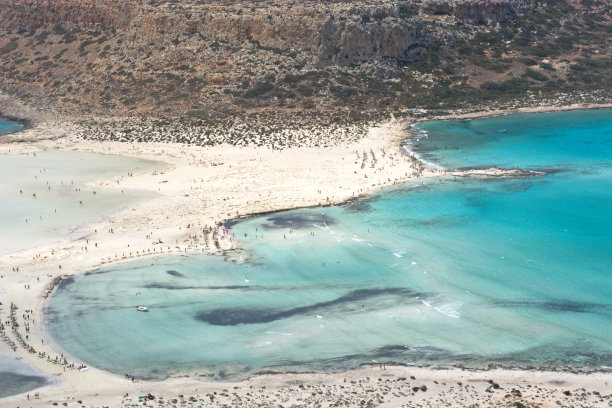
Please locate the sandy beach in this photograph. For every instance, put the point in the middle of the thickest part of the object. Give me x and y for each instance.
(199, 190)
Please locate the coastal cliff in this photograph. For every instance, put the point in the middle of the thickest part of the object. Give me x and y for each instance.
(332, 32)
(346, 61)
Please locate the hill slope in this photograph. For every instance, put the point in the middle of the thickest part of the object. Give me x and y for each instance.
(204, 61)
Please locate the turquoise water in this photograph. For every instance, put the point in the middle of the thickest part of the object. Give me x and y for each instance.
(556, 140)
(516, 272)
(44, 196)
(7, 126)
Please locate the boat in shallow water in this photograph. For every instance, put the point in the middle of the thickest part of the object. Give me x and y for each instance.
(142, 308)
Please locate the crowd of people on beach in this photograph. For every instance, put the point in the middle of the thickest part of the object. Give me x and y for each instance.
(24, 339)
(197, 238)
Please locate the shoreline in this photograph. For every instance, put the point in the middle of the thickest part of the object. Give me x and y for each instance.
(24, 122)
(450, 365)
(500, 112)
(391, 139)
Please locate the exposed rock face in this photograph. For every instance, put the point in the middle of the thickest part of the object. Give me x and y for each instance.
(334, 33)
(206, 59)
(476, 12)
(34, 14)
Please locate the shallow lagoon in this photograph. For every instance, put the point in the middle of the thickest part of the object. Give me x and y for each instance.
(515, 272)
(49, 190)
(16, 377)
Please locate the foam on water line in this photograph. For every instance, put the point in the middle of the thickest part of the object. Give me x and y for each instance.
(450, 310)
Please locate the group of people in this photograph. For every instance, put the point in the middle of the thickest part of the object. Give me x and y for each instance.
(24, 340)
(36, 395)
(129, 376)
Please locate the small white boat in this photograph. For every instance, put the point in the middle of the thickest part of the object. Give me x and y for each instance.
(142, 308)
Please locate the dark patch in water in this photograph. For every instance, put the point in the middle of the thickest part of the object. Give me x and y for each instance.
(121, 268)
(64, 283)
(542, 357)
(13, 383)
(179, 287)
(175, 273)
(519, 186)
(297, 221)
(551, 170)
(514, 185)
(427, 152)
(395, 348)
(437, 221)
(475, 202)
(236, 316)
(429, 222)
(358, 206)
(52, 317)
(392, 352)
(568, 306)
(82, 298)
(98, 272)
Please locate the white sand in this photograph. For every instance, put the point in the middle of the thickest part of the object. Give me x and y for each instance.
(208, 185)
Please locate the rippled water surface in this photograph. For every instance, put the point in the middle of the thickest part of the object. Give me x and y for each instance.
(513, 271)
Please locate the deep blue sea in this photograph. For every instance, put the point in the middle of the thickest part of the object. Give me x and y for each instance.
(516, 272)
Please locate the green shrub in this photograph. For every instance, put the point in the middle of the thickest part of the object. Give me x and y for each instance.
(8, 47)
(84, 44)
(258, 90)
(59, 54)
(514, 86)
(58, 29)
(533, 74)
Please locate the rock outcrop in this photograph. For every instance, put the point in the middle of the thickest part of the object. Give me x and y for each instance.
(332, 32)
(204, 59)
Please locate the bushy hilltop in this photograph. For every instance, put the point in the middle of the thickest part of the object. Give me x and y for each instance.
(334, 62)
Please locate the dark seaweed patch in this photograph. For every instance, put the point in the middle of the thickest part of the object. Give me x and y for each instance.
(568, 306)
(358, 206)
(64, 283)
(186, 287)
(297, 221)
(14, 383)
(436, 221)
(82, 299)
(98, 272)
(475, 202)
(519, 186)
(392, 352)
(175, 273)
(236, 316)
(541, 357)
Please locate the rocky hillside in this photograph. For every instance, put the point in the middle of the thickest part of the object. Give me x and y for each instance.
(204, 60)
